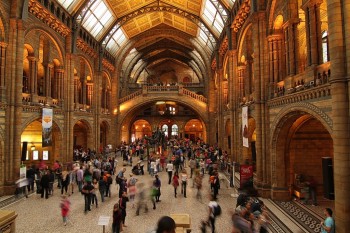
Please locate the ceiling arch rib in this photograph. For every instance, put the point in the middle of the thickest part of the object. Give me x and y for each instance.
(161, 45)
(201, 24)
(201, 53)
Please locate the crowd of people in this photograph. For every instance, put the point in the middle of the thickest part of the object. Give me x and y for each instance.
(93, 175)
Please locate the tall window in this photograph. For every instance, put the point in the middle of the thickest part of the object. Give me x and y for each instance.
(165, 129)
(325, 54)
(174, 130)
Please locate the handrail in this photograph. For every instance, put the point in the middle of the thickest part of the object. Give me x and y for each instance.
(312, 93)
(131, 96)
(194, 95)
(149, 89)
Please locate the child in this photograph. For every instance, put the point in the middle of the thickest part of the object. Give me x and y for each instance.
(65, 206)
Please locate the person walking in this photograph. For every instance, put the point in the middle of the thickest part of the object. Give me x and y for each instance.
(122, 205)
(45, 182)
(175, 182)
(328, 226)
(157, 184)
(183, 182)
(65, 207)
(212, 213)
(94, 192)
(117, 219)
(170, 168)
(193, 164)
(102, 188)
(87, 190)
(132, 189)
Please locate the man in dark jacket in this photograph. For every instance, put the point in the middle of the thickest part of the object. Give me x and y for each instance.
(45, 180)
(87, 190)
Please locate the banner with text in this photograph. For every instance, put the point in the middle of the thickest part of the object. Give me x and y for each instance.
(47, 127)
(246, 174)
(245, 126)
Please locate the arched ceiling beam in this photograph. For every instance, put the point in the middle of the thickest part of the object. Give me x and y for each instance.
(200, 53)
(132, 63)
(157, 8)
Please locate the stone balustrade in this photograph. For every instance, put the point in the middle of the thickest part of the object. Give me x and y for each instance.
(304, 95)
(159, 89)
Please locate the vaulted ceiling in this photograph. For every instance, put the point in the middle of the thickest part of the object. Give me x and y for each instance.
(117, 23)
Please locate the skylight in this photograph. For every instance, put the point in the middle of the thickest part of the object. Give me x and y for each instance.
(68, 4)
(97, 18)
(206, 37)
(214, 14)
(115, 40)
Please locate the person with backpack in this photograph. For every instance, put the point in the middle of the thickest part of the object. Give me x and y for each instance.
(214, 212)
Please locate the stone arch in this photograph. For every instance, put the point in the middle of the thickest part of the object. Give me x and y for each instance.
(55, 149)
(282, 123)
(36, 116)
(86, 60)
(3, 26)
(241, 39)
(82, 139)
(51, 36)
(126, 112)
(86, 123)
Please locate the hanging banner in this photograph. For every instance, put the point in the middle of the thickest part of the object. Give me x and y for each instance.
(47, 127)
(245, 126)
(246, 175)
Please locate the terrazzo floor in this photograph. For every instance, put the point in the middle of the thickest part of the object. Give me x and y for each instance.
(43, 215)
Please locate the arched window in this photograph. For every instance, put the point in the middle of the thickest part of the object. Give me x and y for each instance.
(325, 54)
(174, 130)
(165, 129)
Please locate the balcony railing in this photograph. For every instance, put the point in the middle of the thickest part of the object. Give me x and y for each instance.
(303, 95)
(163, 89)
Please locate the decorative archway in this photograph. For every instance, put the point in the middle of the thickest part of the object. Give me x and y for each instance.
(295, 136)
(32, 135)
(82, 135)
(193, 129)
(139, 129)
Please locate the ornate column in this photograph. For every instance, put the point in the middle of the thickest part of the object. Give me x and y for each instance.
(13, 114)
(337, 19)
(89, 90)
(241, 75)
(275, 62)
(261, 72)
(312, 14)
(59, 83)
(83, 91)
(76, 92)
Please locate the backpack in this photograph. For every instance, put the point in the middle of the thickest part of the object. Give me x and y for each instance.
(109, 180)
(217, 210)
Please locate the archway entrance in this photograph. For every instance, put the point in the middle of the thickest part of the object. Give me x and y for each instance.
(103, 134)
(82, 136)
(193, 129)
(32, 136)
(139, 129)
(302, 146)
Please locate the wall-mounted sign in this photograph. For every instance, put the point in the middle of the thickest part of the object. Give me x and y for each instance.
(45, 155)
(35, 155)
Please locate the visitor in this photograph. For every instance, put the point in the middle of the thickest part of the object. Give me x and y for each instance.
(328, 226)
(132, 189)
(117, 219)
(87, 190)
(183, 182)
(65, 207)
(102, 188)
(170, 168)
(122, 205)
(166, 225)
(212, 215)
(94, 192)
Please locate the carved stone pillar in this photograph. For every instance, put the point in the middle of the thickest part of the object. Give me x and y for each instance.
(313, 34)
(59, 83)
(241, 75)
(340, 109)
(2, 71)
(76, 91)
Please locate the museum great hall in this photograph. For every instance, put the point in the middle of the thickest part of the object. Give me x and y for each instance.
(116, 70)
